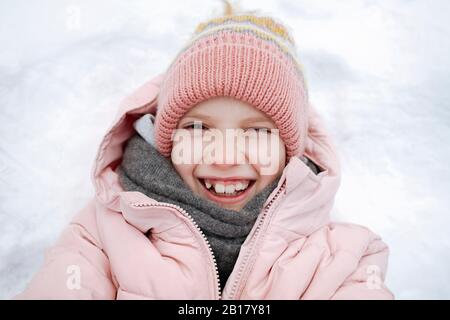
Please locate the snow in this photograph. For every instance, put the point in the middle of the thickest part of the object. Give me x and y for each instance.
(378, 72)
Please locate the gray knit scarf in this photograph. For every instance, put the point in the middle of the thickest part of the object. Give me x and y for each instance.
(144, 169)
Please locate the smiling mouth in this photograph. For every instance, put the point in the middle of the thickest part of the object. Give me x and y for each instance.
(230, 189)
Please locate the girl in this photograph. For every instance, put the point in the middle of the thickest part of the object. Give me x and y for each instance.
(173, 219)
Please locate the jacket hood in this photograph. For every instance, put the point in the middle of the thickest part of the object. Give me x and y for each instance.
(308, 197)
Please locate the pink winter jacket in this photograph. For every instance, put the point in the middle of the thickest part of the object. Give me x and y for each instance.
(126, 245)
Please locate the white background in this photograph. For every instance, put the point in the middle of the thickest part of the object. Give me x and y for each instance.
(378, 71)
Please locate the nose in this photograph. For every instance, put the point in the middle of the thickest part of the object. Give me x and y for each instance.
(225, 160)
(224, 151)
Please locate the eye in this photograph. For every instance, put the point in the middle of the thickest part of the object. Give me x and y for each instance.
(195, 125)
(258, 130)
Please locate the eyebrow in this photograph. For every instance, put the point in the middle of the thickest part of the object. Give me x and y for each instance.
(256, 119)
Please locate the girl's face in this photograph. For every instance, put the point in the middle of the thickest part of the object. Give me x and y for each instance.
(234, 179)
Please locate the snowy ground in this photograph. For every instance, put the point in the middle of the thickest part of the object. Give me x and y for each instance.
(378, 71)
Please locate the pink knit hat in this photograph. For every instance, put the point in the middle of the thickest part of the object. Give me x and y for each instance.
(247, 57)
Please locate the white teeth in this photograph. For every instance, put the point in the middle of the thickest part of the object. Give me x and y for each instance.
(229, 188)
(245, 185)
(219, 188)
(241, 186)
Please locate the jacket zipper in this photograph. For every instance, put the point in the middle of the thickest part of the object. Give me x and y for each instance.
(185, 213)
(260, 222)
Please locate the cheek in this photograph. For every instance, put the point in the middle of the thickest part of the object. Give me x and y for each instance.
(181, 156)
(272, 167)
(271, 158)
(282, 155)
(186, 172)
(187, 147)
